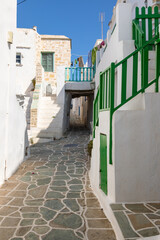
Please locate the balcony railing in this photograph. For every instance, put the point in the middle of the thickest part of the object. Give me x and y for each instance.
(78, 74)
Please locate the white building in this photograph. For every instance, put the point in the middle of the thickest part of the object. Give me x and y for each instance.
(12, 118)
(125, 157)
(25, 59)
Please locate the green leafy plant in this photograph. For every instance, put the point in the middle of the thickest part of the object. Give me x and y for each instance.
(34, 82)
(90, 146)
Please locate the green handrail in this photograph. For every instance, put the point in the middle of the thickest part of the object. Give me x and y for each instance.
(145, 25)
(106, 94)
(95, 113)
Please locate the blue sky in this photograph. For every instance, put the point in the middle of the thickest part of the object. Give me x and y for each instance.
(78, 20)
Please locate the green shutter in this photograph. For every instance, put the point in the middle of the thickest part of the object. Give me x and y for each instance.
(48, 62)
(103, 163)
(44, 62)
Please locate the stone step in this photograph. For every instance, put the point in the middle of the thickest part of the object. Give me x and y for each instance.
(48, 100)
(46, 133)
(48, 107)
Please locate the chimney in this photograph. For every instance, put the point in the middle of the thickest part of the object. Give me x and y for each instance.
(35, 28)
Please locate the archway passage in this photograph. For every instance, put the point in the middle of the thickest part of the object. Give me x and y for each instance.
(79, 110)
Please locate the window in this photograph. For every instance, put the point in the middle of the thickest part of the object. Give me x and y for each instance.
(48, 62)
(18, 58)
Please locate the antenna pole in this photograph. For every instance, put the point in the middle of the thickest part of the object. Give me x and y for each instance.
(102, 19)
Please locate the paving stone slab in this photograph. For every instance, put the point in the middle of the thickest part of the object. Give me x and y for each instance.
(17, 202)
(99, 223)
(22, 231)
(43, 181)
(67, 220)
(6, 233)
(10, 222)
(31, 236)
(94, 213)
(149, 232)
(72, 204)
(54, 204)
(138, 208)
(61, 235)
(101, 234)
(29, 209)
(31, 215)
(6, 210)
(26, 222)
(60, 189)
(73, 195)
(139, 221)
(41, 229)
(37, 202)
(54, 194)
(124, 224)
(93, 203)
(117, 207)
(41, 221)
(59, 183)
(47, 214)
(155, 205)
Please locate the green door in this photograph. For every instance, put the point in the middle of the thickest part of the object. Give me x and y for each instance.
(103, 163)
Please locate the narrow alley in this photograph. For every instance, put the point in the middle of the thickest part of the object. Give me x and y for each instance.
(49, 197)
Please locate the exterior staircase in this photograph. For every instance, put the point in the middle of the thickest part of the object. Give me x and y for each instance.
(50, 119)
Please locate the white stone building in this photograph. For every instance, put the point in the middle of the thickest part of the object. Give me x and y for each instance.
(13, 136)
(127, 133)
(25, 59)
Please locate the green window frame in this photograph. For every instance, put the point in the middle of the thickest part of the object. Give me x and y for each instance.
(47, 61)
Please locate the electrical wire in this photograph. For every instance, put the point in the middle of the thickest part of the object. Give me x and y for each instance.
(21, 2)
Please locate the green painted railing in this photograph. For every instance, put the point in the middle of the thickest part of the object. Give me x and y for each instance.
(78, 74)
(145, 25)
(133, 72)
(96, 113)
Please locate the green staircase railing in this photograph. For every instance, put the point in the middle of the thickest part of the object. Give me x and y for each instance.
(145, 25)
(125, 74)
(95, 112)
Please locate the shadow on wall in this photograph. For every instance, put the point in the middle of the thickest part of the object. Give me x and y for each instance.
(60, 118)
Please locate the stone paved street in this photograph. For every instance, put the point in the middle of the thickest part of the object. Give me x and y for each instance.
(138, 220)
(49, 197)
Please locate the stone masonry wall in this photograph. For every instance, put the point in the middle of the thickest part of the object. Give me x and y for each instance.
(62, 56)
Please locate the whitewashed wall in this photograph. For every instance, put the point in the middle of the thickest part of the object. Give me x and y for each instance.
(134, 131)
(26, 46)
(12, 118)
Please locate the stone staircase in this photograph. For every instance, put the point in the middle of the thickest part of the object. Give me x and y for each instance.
(49, 120)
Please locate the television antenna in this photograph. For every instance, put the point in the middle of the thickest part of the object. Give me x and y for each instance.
(102, 20)
(146, 3)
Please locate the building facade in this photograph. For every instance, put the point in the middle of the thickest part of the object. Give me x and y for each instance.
(125, 157)
(13, 135)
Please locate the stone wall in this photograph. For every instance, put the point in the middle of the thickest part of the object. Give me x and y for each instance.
(61, 47)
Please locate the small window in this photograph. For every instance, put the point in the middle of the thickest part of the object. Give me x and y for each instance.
(79, 111)
(48, 62)
(18, 58)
